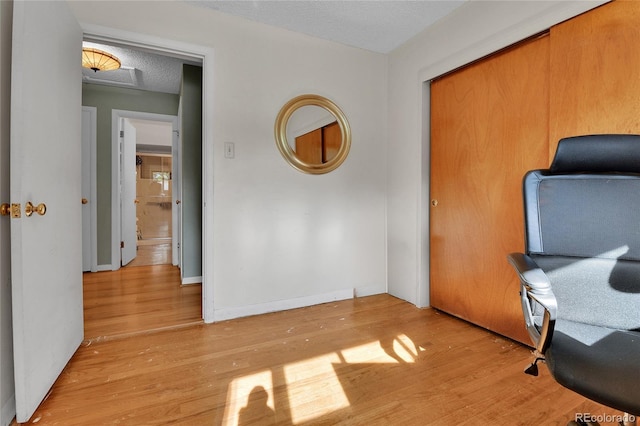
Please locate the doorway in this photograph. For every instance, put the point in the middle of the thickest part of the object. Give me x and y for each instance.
(204, 56)
(147, 186)
(155, 182)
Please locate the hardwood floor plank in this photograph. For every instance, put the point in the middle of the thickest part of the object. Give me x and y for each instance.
(152, 252)
(375, 360)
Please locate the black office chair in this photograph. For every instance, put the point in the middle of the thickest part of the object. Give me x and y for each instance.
(580, 276)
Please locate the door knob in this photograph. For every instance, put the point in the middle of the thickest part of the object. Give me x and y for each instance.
(434, 202)
(178, 201)
(136, 201)
(29, 209)
(5, 209)
(84, 201)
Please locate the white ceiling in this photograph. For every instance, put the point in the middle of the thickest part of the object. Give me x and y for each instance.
(378, 26)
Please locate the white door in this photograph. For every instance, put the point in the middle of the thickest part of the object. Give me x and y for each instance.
(128, 192)
(46, 258)
(89, 210)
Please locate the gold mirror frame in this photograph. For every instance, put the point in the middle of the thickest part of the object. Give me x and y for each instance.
(289, 154)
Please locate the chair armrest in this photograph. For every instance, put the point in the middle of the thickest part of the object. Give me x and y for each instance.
(535, 292)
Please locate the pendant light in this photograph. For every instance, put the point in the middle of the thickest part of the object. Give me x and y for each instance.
(99, 60)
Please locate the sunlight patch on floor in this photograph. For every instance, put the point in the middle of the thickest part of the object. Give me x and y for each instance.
(312, 385)
(310, 396)
(254, 392)
(399, 349)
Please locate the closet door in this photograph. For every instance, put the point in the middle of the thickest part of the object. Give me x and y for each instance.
(595, 63)
(489, 125)
(331, 141)
(309, 147)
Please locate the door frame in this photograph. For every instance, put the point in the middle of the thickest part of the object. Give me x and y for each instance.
(89, 175)
(206, 54)
(423, 285)
(176, 170)
(116, 168)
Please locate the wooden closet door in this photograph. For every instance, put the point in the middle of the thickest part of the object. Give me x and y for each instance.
(595, 73)
(309, 147)
(331, 141)
(489, 125)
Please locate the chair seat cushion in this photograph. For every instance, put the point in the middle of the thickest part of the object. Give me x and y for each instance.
(601, 364)
(595, 346)
(598, 291)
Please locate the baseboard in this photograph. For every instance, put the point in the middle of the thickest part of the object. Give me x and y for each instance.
(368, 291)
(192, 280)
(281, 305)
(101, 268)
(8, 411)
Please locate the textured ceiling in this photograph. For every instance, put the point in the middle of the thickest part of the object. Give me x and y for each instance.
(378, 26)
(140, 70)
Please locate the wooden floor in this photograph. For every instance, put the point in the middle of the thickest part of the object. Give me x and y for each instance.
(153, 251)
(138, 299)
(369, 361)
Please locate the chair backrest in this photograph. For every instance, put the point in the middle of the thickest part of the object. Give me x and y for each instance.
(587, 204)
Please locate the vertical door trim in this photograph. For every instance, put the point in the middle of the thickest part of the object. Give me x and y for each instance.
(423, 285)
(90, 145)
(176, 194)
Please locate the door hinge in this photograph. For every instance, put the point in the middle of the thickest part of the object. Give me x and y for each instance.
(121, 244)
(122, 133)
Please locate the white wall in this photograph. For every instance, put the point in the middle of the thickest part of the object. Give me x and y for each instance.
(281, 238)
(472, 31)
(153, 132)
(7, 389)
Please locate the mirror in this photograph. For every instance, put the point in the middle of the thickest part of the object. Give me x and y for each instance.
(312, 134)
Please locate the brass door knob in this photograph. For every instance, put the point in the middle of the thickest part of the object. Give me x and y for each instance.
(84, 201)
(5, 209)
(136, 201)
(29, 209)
(434, 202)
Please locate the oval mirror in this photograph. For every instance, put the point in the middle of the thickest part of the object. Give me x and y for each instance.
(312, 134)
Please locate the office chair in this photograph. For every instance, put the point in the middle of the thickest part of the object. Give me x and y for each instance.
(580, 273)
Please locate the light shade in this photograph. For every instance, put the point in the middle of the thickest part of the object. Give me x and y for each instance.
(98, 60)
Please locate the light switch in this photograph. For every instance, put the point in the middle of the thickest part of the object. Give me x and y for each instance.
(229, 150)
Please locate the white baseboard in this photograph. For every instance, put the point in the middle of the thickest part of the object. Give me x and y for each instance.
(281, 305)
(105, 268)
(8, 411)
(368, 291)
(192, 280)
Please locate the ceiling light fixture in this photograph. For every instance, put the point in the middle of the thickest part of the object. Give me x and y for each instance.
(98, 60)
